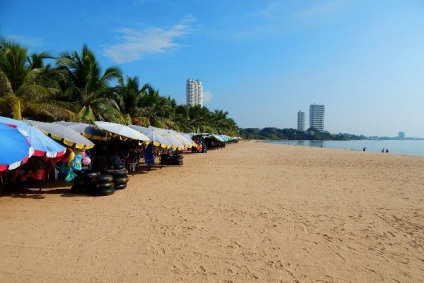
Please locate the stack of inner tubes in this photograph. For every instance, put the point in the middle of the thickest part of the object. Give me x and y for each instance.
(94, 183)
(165, 159)
(177, 159)
(120, 176)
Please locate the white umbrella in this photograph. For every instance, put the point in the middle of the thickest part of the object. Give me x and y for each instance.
(158, 138)
(187, 142)
(87, 130)
(121, 130)
(63, 134)
(176, 142)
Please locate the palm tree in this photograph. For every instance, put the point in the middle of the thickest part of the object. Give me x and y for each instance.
(23, 91)
(156, 110)
(88, 88)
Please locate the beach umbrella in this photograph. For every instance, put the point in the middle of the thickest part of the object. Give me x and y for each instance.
(186, 141)
(121, 130)
(217, 137)
(63, 134)
(157, 137)
(87, 130)
(176, 142)
(14, 148)
(42, 144)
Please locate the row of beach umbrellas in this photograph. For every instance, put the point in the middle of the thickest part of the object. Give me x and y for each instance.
(22, 139)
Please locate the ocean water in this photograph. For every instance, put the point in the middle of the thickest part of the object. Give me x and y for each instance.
(407, 147)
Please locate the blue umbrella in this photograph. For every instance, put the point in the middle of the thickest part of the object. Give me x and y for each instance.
(14, 148)
(42, 144)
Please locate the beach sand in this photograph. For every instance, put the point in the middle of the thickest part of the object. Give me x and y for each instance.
(251, 212)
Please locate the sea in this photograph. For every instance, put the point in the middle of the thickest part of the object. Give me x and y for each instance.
(406, 147)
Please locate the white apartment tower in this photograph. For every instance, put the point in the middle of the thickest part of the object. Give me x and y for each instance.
(316, 117)
(301, 121)
(194, 92)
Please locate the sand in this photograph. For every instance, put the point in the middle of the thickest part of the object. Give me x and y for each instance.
(251, 212)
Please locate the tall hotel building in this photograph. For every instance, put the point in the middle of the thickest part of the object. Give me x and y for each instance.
(316, 117)
(194, 92)
(301, 121)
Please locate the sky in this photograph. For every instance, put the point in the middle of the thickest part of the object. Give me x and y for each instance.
(259, 60)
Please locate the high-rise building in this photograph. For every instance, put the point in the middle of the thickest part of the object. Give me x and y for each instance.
(301, 121)
(194, 92)
(401, 135)
(316, 117)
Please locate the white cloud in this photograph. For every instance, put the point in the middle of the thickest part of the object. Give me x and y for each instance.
(137, 43)
(207, 96)
(26, 41)
(322, 10)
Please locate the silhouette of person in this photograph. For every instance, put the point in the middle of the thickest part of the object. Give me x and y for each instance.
(364, 148)
(382, 150)
(387, 150)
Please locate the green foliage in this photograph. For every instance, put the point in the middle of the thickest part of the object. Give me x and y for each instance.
(76, 89)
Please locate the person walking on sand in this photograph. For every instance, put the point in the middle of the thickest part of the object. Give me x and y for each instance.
(387, 150)
(382, 150)
(364, 148)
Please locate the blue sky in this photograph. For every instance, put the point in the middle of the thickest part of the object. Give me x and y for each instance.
(260, 60)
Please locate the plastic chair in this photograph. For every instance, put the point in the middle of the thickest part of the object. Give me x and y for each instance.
(39, 176)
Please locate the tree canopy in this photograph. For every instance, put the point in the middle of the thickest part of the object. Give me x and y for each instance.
(77, 89)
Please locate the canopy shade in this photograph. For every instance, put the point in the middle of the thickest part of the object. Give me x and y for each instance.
(42, 144)
(87, 130)
(14, 148)
(188, 142)
(63, 134)
(157, 137)
(176, 142)
(121, 130)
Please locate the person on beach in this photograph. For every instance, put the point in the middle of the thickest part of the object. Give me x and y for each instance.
(364, 148)
(382, 150)
(387, 150)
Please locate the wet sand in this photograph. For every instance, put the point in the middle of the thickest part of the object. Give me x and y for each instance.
(251, 212)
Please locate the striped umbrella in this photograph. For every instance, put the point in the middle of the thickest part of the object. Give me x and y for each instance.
(14, 148)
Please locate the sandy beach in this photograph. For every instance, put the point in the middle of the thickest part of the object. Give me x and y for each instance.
(251, 212)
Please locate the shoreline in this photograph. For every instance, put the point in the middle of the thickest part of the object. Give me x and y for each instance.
(248, 212)
(402, 147)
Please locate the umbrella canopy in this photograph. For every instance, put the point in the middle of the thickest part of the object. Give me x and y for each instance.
(157, 137)
(186, 141)
(42, 144)
(121, 130)
(218, 137)
(63, 134)
(176, 142)
(87, 130)
(14, 148)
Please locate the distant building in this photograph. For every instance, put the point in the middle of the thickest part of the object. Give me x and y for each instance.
(194, 92)
(316, 117)
(401, 135)
(301, 121)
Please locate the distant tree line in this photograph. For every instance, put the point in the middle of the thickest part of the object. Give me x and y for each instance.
(272, 133)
